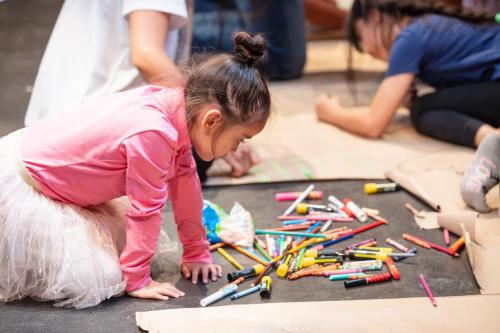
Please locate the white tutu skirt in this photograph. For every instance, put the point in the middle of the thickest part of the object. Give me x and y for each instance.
(54, 251)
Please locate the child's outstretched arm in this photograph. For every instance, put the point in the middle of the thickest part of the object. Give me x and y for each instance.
(373, 121)
(149, 155)
(185, 194)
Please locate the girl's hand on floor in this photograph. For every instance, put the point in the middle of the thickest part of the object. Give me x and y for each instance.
(327, 107)
(194, 270)
(157, 290)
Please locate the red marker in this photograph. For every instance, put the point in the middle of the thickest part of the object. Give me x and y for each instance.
(392, 268)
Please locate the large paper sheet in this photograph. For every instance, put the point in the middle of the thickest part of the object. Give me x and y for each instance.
(478, 313)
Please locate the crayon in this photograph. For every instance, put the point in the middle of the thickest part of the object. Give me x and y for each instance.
(367, 280)
(265, 287)
(417, 241)
(412, 250)
(368, 227)
(427, 289)
(366, 265)
(446, 236)
(290, 222)
(303, 208)
(308, 261)
(229, 258)
(220, 294)
(325, 252)
(299, 199)
(248, 254)
(245, 292)
(443, 249)
(372, 188)
(346, 276)
(288, 233)
(360, 243)
(262, 251)
(322, 217)
(392, 268)
(246, 272)
(457, 245)
(215, 246)
(397, 245)
(291, 196)
(282, 270)
(356, 210)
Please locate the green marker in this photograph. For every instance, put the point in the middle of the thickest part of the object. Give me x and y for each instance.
(497, 18)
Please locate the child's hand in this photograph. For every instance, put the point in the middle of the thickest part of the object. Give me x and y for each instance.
(194, 269)
(242, 159)
(327, 107)
(157, 290)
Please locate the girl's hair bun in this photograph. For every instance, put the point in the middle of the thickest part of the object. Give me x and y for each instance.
(248, 49)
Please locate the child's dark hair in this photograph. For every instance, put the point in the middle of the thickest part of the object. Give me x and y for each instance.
(233, 83)
(397, 9)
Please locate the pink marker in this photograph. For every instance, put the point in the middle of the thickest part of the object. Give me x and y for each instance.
(427, 289)
(446, 235)
(290, 196)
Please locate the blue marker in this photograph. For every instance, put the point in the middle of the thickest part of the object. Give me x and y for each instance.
(245, 292)
(291, 222)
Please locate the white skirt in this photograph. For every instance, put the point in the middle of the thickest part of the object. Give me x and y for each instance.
(54, 251)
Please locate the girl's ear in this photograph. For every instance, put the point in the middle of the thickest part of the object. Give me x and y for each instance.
(211, 120)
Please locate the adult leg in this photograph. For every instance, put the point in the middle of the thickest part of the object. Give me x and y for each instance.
(462, 115)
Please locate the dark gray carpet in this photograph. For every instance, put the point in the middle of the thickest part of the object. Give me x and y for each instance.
(446, 276)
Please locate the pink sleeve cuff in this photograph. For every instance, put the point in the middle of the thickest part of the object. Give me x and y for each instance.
(138, 284)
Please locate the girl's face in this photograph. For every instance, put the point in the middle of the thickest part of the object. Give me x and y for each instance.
(210, 141)
(371, 36)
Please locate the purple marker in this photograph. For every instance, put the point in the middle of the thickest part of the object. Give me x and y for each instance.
(361, 243)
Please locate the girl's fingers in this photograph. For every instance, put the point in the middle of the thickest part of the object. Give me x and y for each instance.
(185, 271)
(213, 273)
(157, 295)
(204, 274)
(176, 292)
(194, 275)
(219, 270)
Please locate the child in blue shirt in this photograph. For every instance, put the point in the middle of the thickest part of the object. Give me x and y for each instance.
(456, 52)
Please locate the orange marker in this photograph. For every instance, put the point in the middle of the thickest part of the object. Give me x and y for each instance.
(417, 241)
(392, 268)
(457, 245)
(215, 246)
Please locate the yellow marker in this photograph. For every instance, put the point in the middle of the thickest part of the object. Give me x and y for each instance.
(371, 188)
(229, 258)
(375, 255)
(308, 261)
(265, 287)
(282, 270)
(302, 208)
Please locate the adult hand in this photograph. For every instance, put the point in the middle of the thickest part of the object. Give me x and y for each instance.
(194, 270)
(242, 160)
(157, 290)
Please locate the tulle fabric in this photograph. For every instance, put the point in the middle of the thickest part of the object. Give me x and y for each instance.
(53, 251)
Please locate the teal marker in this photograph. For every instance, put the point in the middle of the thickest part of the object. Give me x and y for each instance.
(345, 276)
(245, 292)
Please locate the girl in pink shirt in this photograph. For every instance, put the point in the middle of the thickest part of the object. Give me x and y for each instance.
(65, 233)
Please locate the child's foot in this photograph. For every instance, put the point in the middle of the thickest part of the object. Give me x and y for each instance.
(482, 174)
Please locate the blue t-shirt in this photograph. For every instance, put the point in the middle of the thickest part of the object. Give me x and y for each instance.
(444, 51)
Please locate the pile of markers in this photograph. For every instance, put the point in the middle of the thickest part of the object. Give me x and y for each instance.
(300, 247)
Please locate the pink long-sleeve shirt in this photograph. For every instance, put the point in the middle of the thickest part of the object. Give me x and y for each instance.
(134, 143)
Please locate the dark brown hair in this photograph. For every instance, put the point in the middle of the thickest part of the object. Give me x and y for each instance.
(397, 9)
(233, 83)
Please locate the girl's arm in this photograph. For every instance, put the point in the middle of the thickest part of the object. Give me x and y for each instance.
(187, 203)
(148, 34)
(369, 122)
